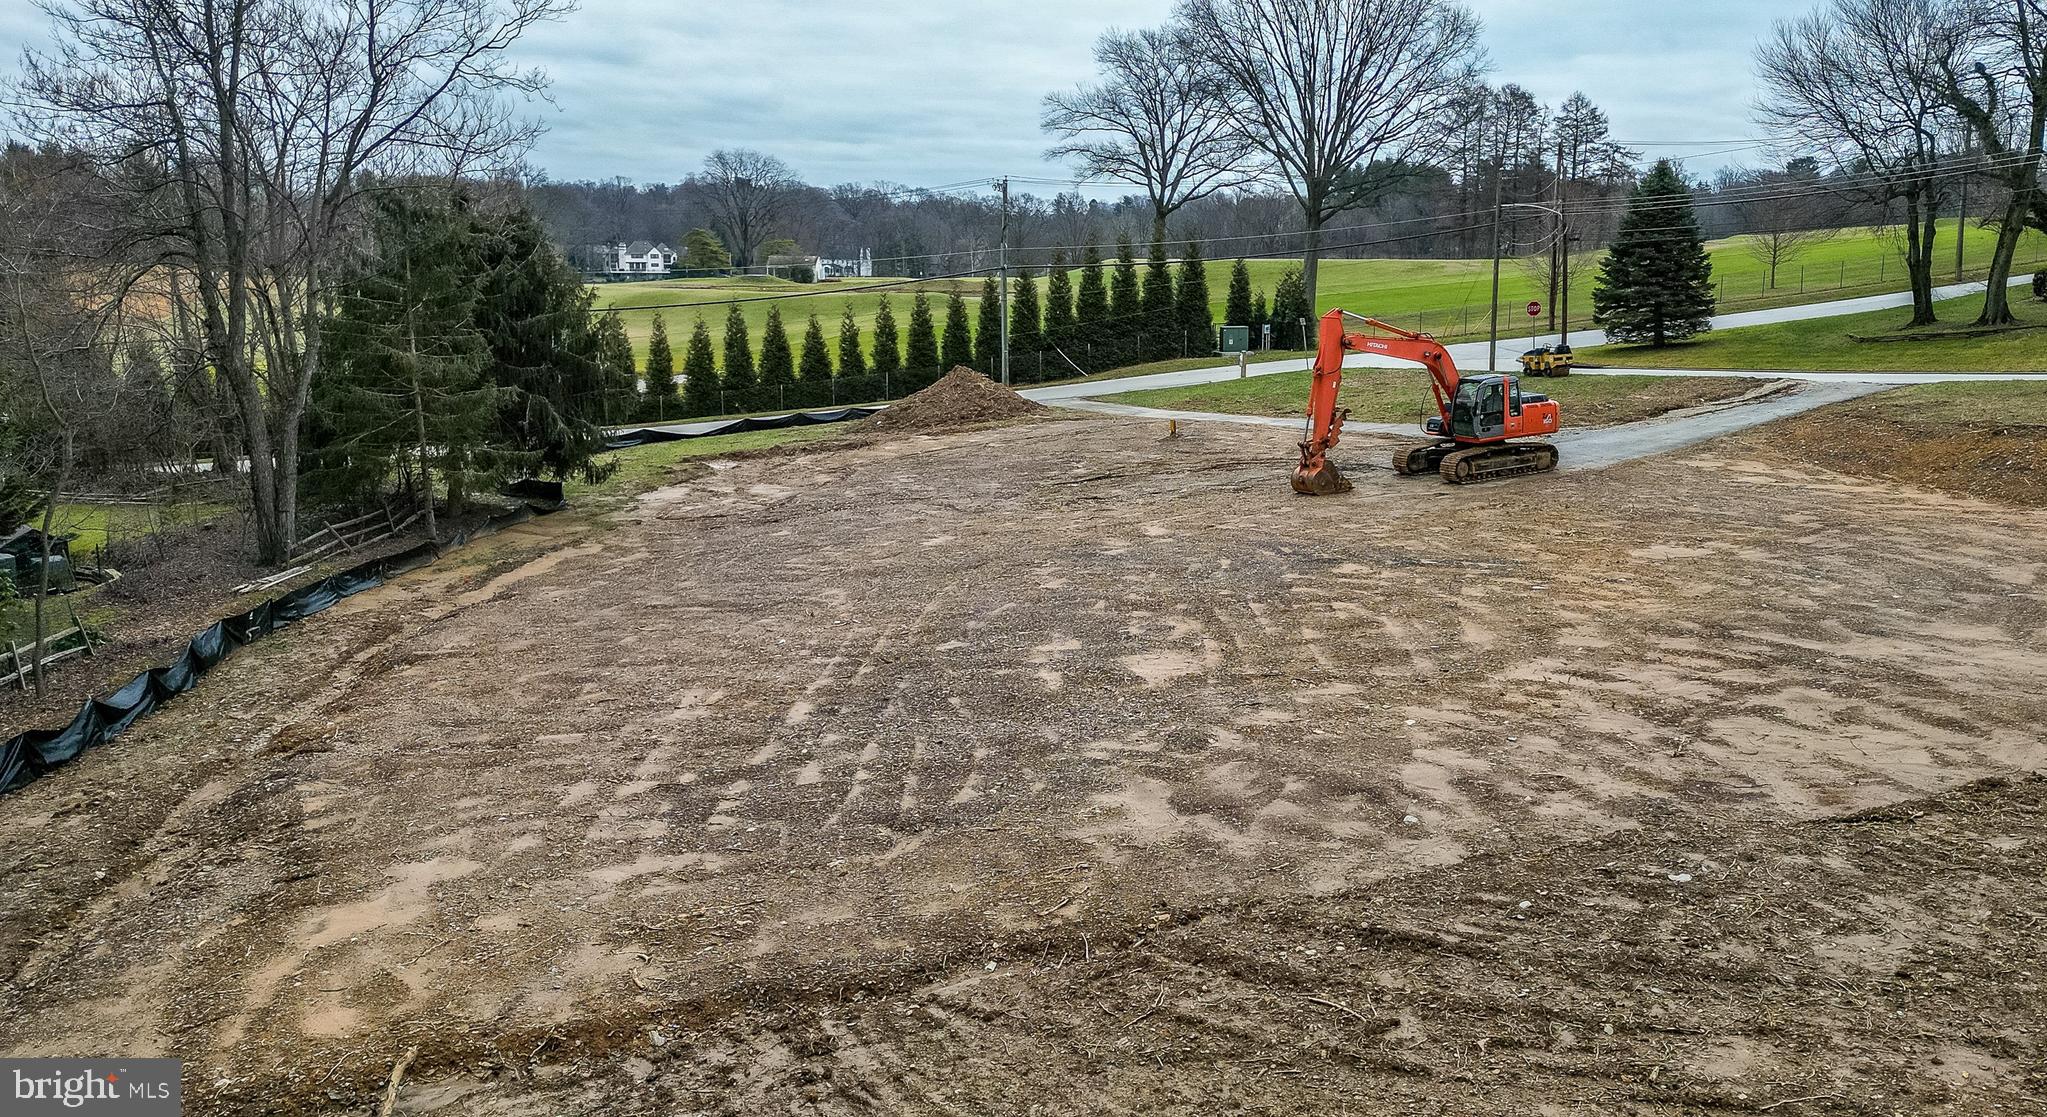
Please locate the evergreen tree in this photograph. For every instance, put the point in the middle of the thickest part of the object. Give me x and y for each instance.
(1158, 329)
(1026, 328)
(920, 347)
(1289, 310)
(620, 383)
(851, 361)
(736, 372)
(958, 345)
(702, 251)
(1197, 325)
(406, 390)
(700, 373)
(778, 361)
(1238, 310)
(988, 338)
(1656, 283)
(534, 313)
(814, 367)
(1261, 317)
(1060, 324)
(660, 362)
(1091, 302)
(888, 352)
(1124, 307)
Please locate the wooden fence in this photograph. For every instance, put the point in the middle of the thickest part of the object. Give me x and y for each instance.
(352, 536)
(22, 660)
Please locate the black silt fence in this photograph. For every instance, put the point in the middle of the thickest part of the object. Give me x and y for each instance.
(30, 754)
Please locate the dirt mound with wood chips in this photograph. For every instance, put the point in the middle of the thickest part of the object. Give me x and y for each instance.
(960, 398)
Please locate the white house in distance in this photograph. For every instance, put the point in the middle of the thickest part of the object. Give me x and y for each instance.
(847, 267)
(638, 258)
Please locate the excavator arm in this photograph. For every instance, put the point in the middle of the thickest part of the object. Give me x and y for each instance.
(1315, 476)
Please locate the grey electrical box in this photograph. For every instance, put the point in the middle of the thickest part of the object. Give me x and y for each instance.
(1235, 339)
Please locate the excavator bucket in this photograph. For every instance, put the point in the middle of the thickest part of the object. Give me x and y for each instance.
(1320, 479)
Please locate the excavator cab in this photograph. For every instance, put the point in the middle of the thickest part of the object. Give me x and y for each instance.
(1479, 409)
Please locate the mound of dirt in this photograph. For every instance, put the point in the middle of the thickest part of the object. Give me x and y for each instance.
(2000, 465)
(961, 397)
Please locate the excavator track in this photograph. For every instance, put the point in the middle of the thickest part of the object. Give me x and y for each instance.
(1420, 457)
(1489, 463)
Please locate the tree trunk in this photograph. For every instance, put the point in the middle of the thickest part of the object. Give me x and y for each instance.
(35, 654)
(1311, 261)
(1996, 286)
(1919, 258)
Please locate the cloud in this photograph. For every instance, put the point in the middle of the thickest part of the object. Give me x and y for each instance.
(923, 92)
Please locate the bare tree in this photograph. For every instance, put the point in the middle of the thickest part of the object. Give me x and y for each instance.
(248, 134)
(63, 280)
(1783, 213)
(1339, 94)
(1853, 86)
(1993, 72)
(1159, 119)
(747, 192)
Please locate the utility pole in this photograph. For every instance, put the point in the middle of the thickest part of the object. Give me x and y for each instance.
(1492, 353)
(1559, 252)
(1002, 261)
(1962, 222)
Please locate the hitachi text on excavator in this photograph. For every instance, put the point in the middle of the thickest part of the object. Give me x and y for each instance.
(1478, 433)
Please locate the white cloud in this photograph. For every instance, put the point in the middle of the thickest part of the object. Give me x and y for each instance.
(925, 92)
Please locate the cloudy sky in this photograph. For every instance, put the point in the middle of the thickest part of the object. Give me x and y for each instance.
(927, 92)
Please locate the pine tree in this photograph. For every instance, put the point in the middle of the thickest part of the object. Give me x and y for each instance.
(700, 373)
(851, 361)
(815, 365)
(888, 352)
(1026, 328)
(406, 390)
(1091, 303)
(619, 383)
(1160, 333)
(1261, 317)
(1124, 307)
(988, 337)
(778, 361)
(1238, 311)
(534, 312)
(1289, 310)
(958, 345)
(737, 371)
(1197, 325)
(1060, 324)
(1656, 283)
(920, 348)
(660, 362)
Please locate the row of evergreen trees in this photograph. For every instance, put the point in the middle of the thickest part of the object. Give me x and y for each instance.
(1096, 316)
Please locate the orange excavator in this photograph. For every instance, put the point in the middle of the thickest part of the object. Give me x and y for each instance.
(1474, 435)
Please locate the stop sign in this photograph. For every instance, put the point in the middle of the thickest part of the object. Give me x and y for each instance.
(1534, 309)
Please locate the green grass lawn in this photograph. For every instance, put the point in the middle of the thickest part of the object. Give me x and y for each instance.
(1449, 298)
(93, 525)
(1402, 396)
(1982, 404)
(1825, 344)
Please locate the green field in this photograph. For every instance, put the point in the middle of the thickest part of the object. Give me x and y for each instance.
(1825, 344)
(1402, 396)
(91, 526)
(1446, 297)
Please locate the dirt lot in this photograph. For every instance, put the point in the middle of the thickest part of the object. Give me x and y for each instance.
(1055, 769)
